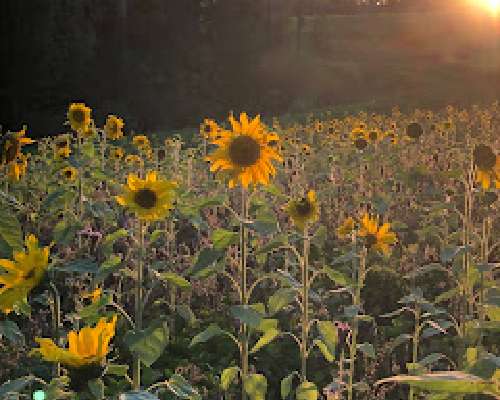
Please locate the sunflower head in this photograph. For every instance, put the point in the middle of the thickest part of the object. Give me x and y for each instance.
(116, 153)
(79, 116)
(134, 160)
(484, 157)
(244, 153)
(69, 174)
(11, 144)
(17, 168)
(414, 130)
(303, 211)
(489, 177)
(20, 275)
(374, 135)
(150, 199)
(113, 127)
(378, 238)
(141, 141)
(87, 347)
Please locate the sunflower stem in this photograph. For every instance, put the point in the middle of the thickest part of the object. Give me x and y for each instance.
(56, 321)
(243, 287)
(139, 305)
(305, 305)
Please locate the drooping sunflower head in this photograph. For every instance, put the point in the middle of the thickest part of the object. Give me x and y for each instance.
(89, 132)
(484, 157)
(22, 274)
(487, 176)
(113, 127)
(62, 148)
(244, 153)
(150, 199)
(134, 160)
(79, 116)
(11, 144)
(69, 174)
(303, 211)
(359, 138)
(414, 130)
(89, 346)
(377, 238)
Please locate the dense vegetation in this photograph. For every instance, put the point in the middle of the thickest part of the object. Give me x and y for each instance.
(339, 257)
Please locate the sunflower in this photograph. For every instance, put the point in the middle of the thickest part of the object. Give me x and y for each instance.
(89, 132)
(414, 130)
(134, 160)
(374, 135)
(89, 346)
(244, 152)
(94, 296)
(11, 145)
(378, 238)
(22, 274)
(79, 116)
(150, 199)
(303, 211)
(489, 176)
(62, 149)
(17, 168)
(141, 141)
(391, 136)
(209, 129)
(346, 228)
(358, 137)
(113, 127)
(69, 174)
(116, 153)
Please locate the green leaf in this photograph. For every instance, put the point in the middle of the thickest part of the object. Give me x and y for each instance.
(228, 376)
(449, 253)
(211, 331)
(93, 311)
(280, 299)
(10, 228)
(14, 386)
(111, 265)
(65, 231)
(117, 369)
(367, 349)
(148, 344)
(204, 261)
(404, 337)
(222, 238)
(82, 266)
(187, 314)
(286, 385)
(175, 279)
(182, 388)
(337, 277)
(11, 331)
(5, 249)
(447, 295)
(329, 333)
(278, 241)
(138, 395)
(431, 359)
(265, 339)
(255, 386)
(443, 381)
(96, 387)
(109, 240)
(329, 356)
(267, 324)
(265, 225)
(247, 315)
(307, 391)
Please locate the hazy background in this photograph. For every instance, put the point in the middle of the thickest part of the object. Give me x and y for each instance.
(166, 64)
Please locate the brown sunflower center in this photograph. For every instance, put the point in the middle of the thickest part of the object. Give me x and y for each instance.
(145, 198)
(414, 130)
(68, 174)
(78, 116)
(12, 150)
(373, 135)
(61, 145)
(303, 207)
(244, 151)
(484, 157)
(370, 240)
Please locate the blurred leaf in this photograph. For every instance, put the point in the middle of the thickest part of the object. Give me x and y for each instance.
(367, 349)
(280, 299)
(186, 314)
(117, 369)
(82, 266)
(307, 391)
(109, 240)
(449, 253)
(110, 266)
(222, 238)
(65, 231)
(286, 385)
(275, 243)
(329, 356)
(148, 344)
(14, 386)
(174, 279)
(211, 331)
(268, 336)
(431, 359)
(205, 259)
(10, 228)
(255, 386)
(246, 315)
(337, 277)
(138, 395)
(96, 387)
(182, 388)
(329, 333)
(11, 332)
(228, 376)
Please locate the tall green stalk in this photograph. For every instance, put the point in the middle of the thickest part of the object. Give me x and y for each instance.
(243, 284)
(354, 329)
(415, 340)
(305, 306)
(138, 305)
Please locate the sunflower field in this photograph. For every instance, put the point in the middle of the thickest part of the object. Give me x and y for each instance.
(351, 257)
